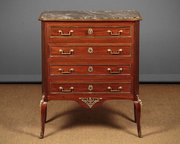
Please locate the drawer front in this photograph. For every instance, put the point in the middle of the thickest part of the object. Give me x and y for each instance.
(76, 50)
(90, 88)
(90, 69)
(91, 31)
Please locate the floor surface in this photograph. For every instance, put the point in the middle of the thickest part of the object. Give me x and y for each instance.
(68, 123)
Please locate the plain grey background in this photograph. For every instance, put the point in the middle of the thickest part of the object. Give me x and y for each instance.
(20, 47)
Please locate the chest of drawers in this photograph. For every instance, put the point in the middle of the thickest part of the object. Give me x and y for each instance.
(90, 57)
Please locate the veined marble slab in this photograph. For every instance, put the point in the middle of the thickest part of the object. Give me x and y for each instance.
(122, 15)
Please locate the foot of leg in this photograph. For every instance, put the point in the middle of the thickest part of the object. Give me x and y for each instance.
(134, 113)
(138, 105)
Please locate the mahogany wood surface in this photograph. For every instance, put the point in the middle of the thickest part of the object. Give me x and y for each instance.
(90, 69)
(83, 31)
(54, 50)
(106, 96)
(97, 88)
(77, 56)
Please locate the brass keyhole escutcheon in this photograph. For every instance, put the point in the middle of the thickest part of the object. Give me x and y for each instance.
(90, 87)
(90, 50)
(90, 31)
(90, 69)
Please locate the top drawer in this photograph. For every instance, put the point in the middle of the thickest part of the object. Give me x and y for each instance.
(75, 31)
(89, 32)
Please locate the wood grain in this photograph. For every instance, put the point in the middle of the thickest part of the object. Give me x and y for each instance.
(68, 55)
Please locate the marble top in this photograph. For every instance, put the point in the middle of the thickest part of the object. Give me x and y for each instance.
(121, 15)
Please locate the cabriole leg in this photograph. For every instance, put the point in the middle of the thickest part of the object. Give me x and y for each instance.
(43, 107)
(138, 107)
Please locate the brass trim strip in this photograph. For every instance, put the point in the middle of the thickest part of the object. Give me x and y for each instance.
(91, 93)
(129, 26)
(90, 37)
(112, 57)
(50, 64)
(89, 82)
(89, 74)
(90, 44)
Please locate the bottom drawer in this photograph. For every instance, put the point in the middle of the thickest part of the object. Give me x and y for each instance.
(74, 88)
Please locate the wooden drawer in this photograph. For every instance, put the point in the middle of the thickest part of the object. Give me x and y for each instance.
(89, 50)
(90, 69)
(91, 31)
(90, 88)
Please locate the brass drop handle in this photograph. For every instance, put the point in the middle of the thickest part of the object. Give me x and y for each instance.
(115, 53)
(66, 91)
(66, 34)
(114, 90)
(115, 34)
(66, 53)
(114, 72)
(66, 72)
